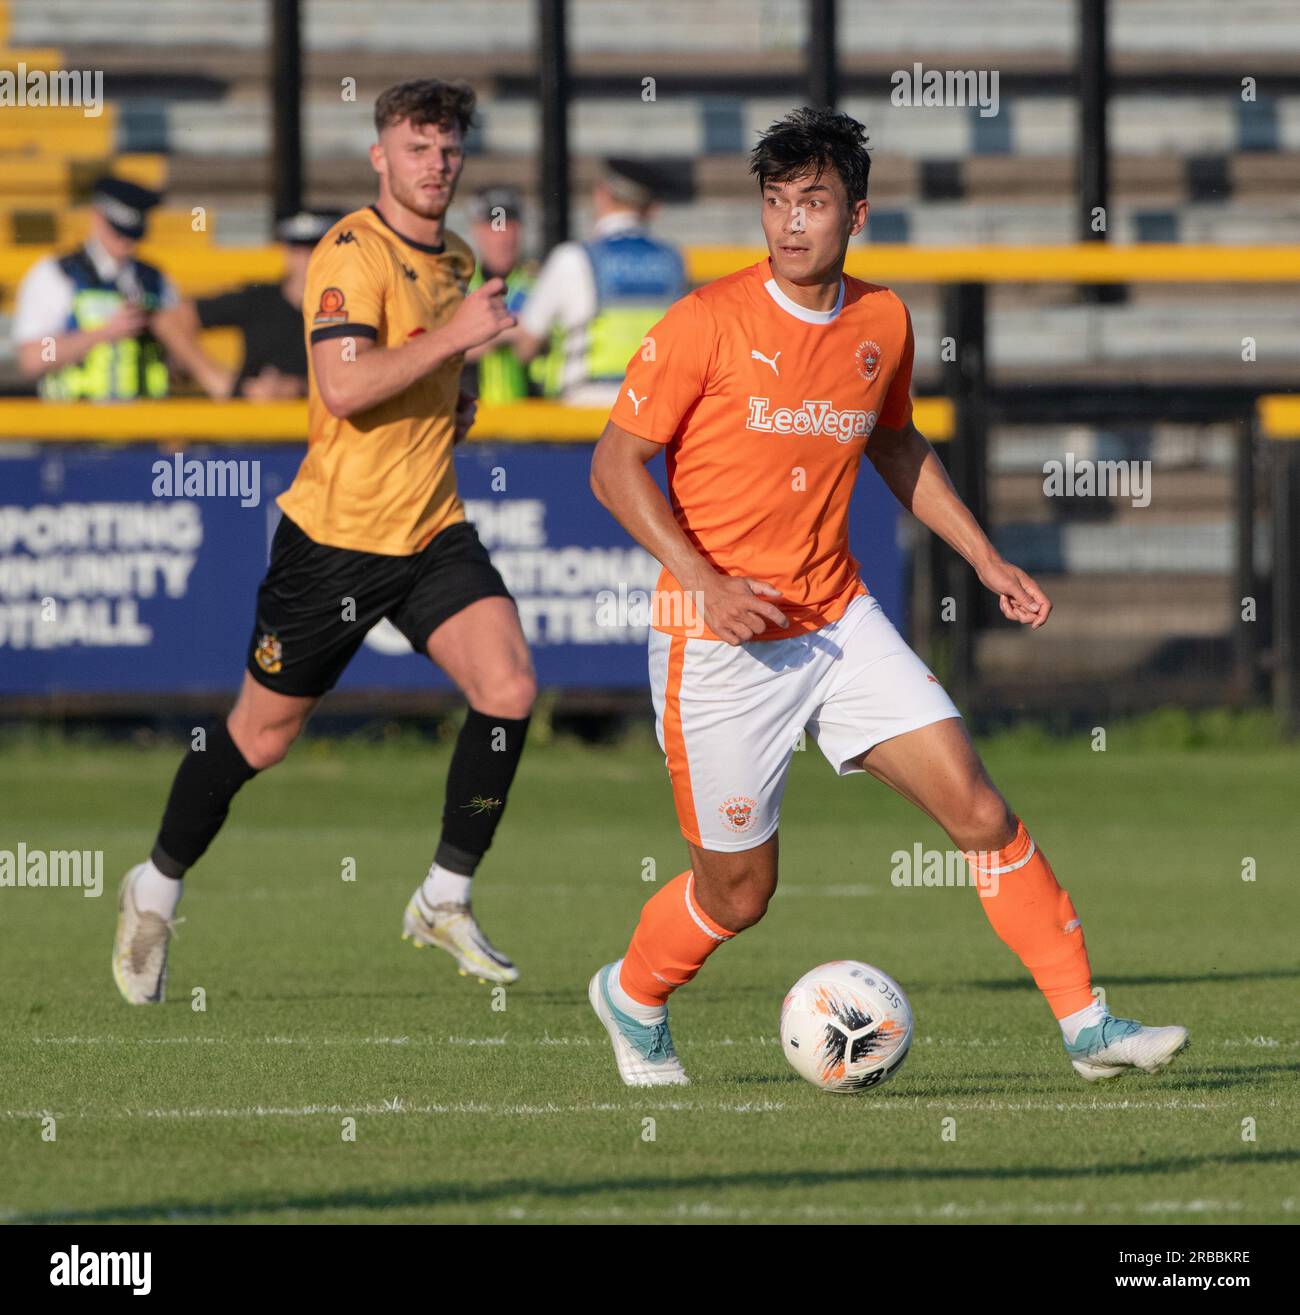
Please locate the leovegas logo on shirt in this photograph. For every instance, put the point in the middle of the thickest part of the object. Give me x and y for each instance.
(810, 417)
(741, 390)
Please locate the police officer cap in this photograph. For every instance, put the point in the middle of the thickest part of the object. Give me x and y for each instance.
(306, 228)
(501, 201)
(125, 205)
(638, 182)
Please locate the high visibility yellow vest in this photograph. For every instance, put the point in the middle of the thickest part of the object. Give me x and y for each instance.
(111, 371)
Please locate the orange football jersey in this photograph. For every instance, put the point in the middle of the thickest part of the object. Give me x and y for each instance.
(765, 409)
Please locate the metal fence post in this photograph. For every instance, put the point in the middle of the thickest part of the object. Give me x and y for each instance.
(823, 68)
(286, 103)
(1286, 584)
(967, 385)
(553, 92)
(1245, 634)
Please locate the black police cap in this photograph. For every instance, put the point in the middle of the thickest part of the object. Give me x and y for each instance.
(124, 204)
(500, 199)
(307, 227)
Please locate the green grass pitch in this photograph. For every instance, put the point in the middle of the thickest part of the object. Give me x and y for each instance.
(466, 1111)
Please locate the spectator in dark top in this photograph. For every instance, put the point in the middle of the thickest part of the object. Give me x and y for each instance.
(269, 315)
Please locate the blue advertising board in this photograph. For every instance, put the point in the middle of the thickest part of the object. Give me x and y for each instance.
(121, 573)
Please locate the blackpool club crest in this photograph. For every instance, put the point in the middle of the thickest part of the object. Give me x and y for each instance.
(738, 812)
(867, 359)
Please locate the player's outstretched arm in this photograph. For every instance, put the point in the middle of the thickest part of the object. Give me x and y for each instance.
(354, 375)
(178, 329)
(911, 468)
(731, 606)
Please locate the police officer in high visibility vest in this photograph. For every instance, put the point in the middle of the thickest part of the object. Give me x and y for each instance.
(495, 374)
(594, 302)
(81, 321)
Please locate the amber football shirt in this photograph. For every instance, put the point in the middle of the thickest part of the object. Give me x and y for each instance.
(765, 408)
(382, 480)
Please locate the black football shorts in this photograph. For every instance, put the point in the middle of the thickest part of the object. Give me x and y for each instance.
(316, 603)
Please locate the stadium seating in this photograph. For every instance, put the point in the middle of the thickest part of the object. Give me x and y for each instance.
(1192, 161)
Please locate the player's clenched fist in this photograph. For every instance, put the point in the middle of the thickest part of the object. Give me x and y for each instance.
(735, 609)
(1019, 596)
(481, 316)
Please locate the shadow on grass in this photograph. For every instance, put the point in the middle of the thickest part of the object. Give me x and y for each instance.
(480, 1193)
(1221, 1075)
(1109, 980)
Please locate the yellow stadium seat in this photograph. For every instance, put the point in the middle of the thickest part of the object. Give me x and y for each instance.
(85, 139)
(225, 346)
(44, 58)
(167, 226)
(48, 181)
(49, 118)
(146, 169)
(195, 269)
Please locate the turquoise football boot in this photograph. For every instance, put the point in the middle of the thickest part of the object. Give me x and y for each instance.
(644, 1051)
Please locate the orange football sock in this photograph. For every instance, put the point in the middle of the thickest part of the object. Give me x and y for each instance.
(670, 944)
(1035, 917)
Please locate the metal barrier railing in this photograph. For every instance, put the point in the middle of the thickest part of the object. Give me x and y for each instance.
(1277, 421)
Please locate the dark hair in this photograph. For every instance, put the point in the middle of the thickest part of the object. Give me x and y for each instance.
(426, 100)
(808, 140)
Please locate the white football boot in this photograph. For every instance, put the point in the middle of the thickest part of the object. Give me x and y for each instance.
(644, 1051)
(140, 947)
(453, 927)
(1122, 1045)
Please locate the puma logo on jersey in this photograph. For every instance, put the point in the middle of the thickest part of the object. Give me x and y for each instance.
(636, 401)
(756, 355)
(810, 418)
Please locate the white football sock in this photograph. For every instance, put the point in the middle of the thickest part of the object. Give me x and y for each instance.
(623, 1001)
(1088, 1016)
(443, 887)
(155, 892)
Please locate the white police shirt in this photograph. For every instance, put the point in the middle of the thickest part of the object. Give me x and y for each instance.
(44, 299)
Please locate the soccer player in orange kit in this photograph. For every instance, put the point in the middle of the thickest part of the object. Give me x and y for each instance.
(764, 389)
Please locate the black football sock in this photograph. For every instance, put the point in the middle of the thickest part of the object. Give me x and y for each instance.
(482, 768)
(206, 782)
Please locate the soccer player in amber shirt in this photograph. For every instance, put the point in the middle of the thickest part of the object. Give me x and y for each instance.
(373, 528)
(764, 390)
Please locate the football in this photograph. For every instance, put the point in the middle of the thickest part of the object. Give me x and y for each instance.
(846, 1026)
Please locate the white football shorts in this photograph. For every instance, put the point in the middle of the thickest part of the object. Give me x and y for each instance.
(730, 717)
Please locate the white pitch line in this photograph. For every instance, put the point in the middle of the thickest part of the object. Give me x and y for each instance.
(399, 1106)
(879, 1213)
(964, 1043)
(876, 1213)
